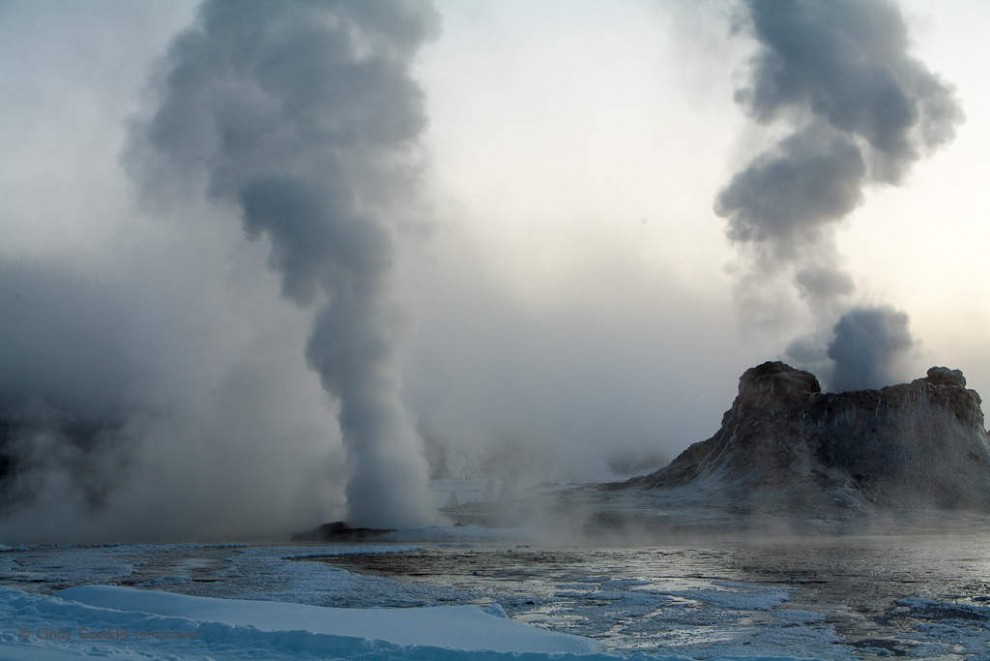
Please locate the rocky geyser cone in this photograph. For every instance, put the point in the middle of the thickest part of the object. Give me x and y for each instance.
(784, 443)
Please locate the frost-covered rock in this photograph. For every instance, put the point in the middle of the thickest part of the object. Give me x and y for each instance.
(943, 376)
(786, 444)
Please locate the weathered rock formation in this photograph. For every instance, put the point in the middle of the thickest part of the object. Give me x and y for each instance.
(786, 444)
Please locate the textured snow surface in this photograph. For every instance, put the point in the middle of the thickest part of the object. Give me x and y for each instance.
(454, 627)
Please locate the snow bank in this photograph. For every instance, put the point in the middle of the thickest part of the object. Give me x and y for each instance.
(452, 627)
(123, 623)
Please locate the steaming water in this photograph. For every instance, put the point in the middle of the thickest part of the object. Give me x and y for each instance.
(921, 596)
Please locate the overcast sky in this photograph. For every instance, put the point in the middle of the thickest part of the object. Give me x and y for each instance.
(566, 285)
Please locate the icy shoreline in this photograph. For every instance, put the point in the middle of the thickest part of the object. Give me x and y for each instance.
(273, 602)
(110, 620)
(831, 599)
(124, 623)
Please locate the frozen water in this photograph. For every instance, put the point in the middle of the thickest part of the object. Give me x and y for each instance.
(452, 627)
(848, 598)
(127, 623)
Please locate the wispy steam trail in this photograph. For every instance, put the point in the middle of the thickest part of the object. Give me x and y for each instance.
(304, 115)
(861, 110)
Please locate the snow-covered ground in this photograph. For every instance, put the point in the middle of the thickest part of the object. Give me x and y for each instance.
(119, 621)
(465, 596)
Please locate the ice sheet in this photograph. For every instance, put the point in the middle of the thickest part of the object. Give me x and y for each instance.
(453, 627)
(123, 623)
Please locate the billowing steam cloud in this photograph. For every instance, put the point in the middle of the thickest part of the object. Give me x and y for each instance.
(862, 111)
(304, 116)
(68, 372)
(867, 345)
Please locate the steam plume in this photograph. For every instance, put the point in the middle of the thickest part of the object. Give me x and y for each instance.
(867, 346)
(305, 117)
(68, 376)
(861, 111)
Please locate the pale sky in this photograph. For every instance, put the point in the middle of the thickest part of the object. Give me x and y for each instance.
(558, 130)
(580, 146)
(571, 288)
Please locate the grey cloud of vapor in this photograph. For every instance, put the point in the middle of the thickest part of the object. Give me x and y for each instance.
(58, 334)
(860, 110)
(152, 385)
(172, 377)
(161, 389)
(599, 379)
(305, 116)
(68, 372)
(126, 412)
(866, 347)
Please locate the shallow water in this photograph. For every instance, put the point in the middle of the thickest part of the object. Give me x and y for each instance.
(923, 595)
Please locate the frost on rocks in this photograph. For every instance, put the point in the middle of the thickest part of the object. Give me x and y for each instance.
(785, 446)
